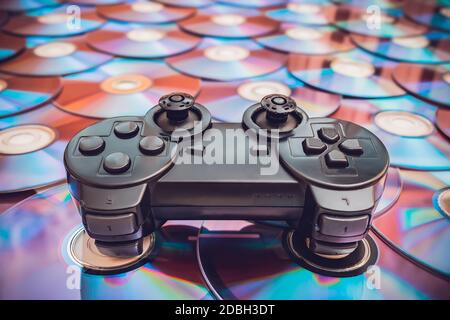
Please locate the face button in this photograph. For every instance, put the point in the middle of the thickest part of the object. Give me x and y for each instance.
(313, 146)
(127, 129)
(91, 145)
(177, 105)
(351, 147)
(151, 145)
(329, 135)
(117, 162)
(336, 159)
(278, 107)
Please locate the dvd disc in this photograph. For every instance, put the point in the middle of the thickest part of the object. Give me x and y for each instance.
(227, 101)
(36, 237)
(10, 46)
(443, 121)
(144, 12)
(432, 47)
(229, 22)
(254, 3)
(434, 13)
(24, 5)
(293, 38)
(187, 3)
(19, 94)
(122, 87)
(54, 21)
(353, 73)
(418, 224)
(241, 260)
(138, 41)
(55, 57)
(227, 60)
(377, 24)
(32, 147)
(405, 125)
(305, 12)
(431, 83)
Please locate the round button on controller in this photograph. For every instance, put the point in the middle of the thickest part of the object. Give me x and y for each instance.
(126, 129)
(151, 145)
(117, 162)
(91, 145)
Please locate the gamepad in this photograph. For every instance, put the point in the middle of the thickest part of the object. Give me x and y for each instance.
(323, 176)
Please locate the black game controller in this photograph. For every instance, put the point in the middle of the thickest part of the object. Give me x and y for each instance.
(128, 175)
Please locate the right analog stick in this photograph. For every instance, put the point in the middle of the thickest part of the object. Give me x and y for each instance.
(278, 107)
(177, 105)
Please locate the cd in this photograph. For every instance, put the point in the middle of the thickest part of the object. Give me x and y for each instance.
(187, 3)
(227, 101)
(254, 3)
(23, 5)
(293, 38)
(19, 94)
(434, 13)
(432, 47)
(10, 46)
(36, 239)
(242, 260)
(354, 73)
(305, 12)
(227, 60)
(431, 83)
(54, 21)
(55, 57)
(229, 22)
(144, 12)
(122, 87)
(377, 24)
(32, 147)
(406, 127)
(418, 224)
(140, 41)
(443, 121)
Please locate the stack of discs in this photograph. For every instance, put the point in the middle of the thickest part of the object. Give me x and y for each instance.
(229, 22)
(138, 41)
(20, 94)
(431, 83)
(10, 46)
(305, 12)
(144, 12)
(32, 146)
(353, 73)
(226, 60)
(254, 3)
(293, 38)
(55, 21)
(55, 57)
(434, 13)
(187, 3)
(122, 87)
(406, 127)
(377, 24)
(227, 101)
(16, 6)
(432, 47)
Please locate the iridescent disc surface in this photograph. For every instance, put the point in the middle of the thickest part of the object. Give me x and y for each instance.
(418, 224)
(227, 101)
(144, 12)
(358, 20)
(241, 260)
(54, 21)
(229, 22)
(443, 121)
(227, 60)
(55, 56)
(405, 125)
(122, 87)
(431, 83)
(187, 3)
(19, 94)
(254, 3)
(10, 46)
(432, 13)
(35, 237)
(353, 73)
(32, 147)
(293, 38)
(432, 47)
(141, 41)
(23, 5)
(305, 12)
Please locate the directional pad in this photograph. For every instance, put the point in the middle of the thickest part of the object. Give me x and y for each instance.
(351, 147)
(329, 135)
(336, 159)
(313, 146)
